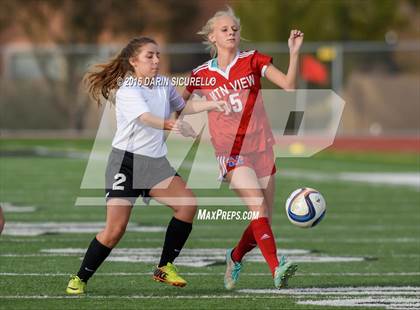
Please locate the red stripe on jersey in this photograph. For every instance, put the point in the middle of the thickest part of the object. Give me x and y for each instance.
(245, 54)
(203, 66)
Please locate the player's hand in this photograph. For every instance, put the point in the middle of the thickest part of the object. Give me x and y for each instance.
(184, 129)
(221, 106)
(170, 124)
(295, 41)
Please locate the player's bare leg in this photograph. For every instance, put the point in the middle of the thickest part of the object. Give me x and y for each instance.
(117, 216)
(173, 192)
(247, 242)
(244, 182)
(268, 187)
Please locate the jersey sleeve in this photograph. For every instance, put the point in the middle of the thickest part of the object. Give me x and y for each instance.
(130, 103)
(260, 63)
(191, 86)
(176, 102)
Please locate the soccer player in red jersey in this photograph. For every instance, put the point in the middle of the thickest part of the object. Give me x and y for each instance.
(243, 140)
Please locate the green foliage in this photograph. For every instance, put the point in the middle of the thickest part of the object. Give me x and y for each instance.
(319, 19)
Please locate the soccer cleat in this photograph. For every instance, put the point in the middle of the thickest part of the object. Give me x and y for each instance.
(283, 273)
(76, 286)
(169, 274)
(233, 269)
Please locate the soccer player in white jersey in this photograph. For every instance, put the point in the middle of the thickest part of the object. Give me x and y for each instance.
(137, 165)
(243, 140)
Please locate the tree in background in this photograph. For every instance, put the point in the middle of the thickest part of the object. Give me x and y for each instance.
(321, 20)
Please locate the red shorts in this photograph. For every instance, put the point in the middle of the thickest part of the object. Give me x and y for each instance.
(263, 163)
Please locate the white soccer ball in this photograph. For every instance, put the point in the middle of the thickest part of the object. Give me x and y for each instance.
(305, 207)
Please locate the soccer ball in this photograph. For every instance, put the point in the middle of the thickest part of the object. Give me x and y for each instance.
(305, 207)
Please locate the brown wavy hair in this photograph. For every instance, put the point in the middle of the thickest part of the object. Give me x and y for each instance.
(102, 79)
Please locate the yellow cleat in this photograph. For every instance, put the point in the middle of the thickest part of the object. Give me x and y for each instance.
(169, 274)
(76, 286)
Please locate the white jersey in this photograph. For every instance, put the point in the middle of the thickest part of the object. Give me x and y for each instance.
(131, 102)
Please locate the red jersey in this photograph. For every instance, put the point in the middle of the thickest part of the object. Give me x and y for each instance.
(246, 129)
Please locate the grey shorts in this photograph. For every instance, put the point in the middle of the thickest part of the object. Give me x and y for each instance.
(129, 175)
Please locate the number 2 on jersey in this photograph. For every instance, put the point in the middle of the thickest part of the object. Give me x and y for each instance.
(235, 102)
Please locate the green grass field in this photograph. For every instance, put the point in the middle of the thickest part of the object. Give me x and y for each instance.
(369, 239)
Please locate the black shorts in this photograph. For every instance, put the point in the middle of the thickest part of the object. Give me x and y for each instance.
(129, 175)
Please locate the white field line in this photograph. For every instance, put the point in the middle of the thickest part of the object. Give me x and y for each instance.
(395, 294)
(158, 250)
(198, 257)
(136, 297)
(312, 274)
(409, 179)
(201, 261)
(39, 228)
(386, 302)
(234, 240)
(201, 201)
(341, 291)
(212, 240)
(11, 208)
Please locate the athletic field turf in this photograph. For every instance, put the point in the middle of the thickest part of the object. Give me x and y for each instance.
(364, 253)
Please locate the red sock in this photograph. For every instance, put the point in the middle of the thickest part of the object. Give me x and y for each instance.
(266, 242)
(245, 245)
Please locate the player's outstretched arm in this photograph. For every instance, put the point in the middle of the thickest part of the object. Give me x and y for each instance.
(177, 126)
(287, 81)
(156, 122)
(197, 106)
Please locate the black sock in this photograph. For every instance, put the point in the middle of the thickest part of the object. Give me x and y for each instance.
(95, 255)
(176, 235)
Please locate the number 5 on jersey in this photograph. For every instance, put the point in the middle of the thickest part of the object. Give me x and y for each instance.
(235, 102)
